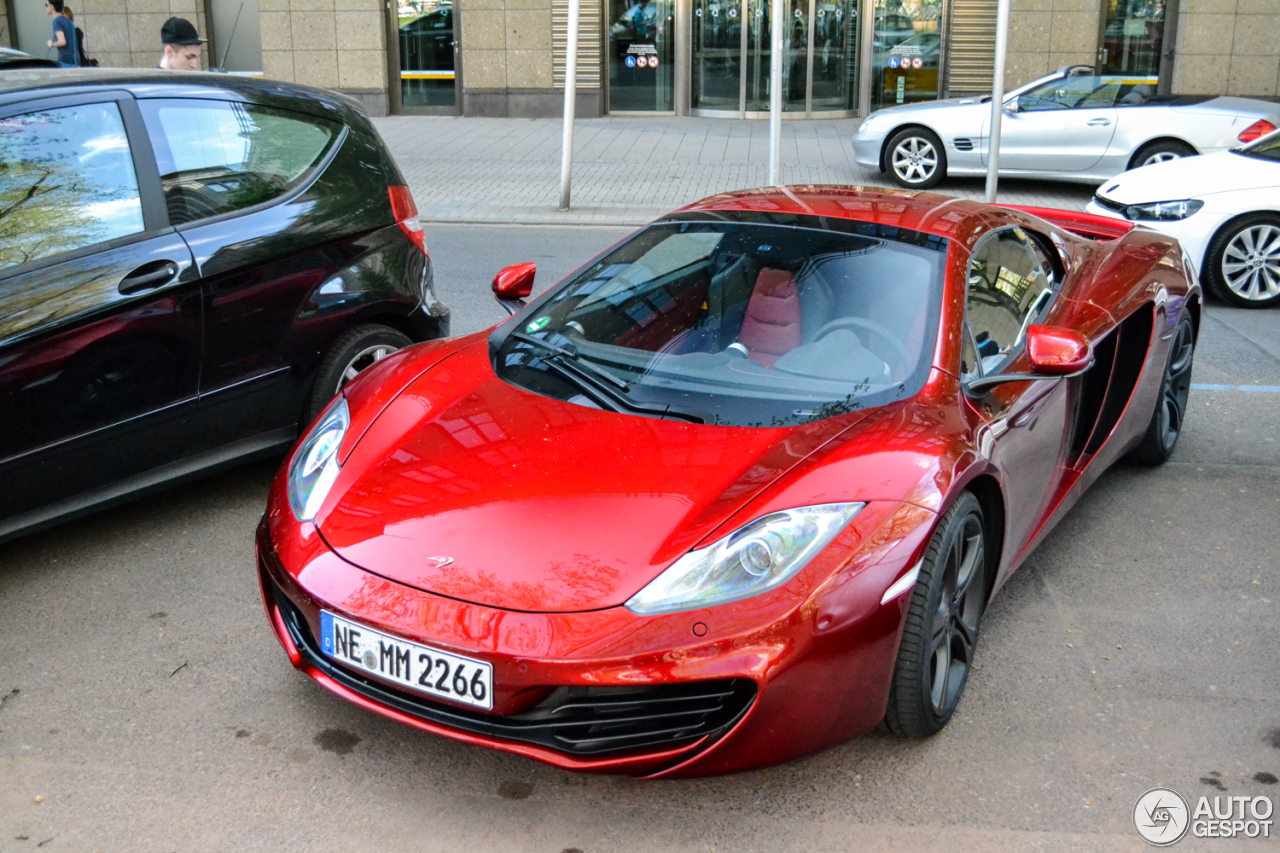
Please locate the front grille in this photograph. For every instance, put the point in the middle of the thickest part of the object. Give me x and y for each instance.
(963, 144)
(1110, 205)
(596, 722)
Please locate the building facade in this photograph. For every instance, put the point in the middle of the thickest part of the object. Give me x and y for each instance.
(684, 57)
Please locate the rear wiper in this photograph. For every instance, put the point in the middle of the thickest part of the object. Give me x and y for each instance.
(600, 385)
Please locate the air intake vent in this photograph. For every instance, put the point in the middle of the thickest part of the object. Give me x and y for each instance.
(964, 144)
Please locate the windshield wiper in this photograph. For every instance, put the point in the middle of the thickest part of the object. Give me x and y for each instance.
(600, 385)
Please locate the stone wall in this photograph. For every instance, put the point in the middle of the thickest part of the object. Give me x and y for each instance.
(1228, 46)
(1048, 34)
(506, 58)
(334, 44)
(126, 33)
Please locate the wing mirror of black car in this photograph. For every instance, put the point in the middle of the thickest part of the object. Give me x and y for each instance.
(513, 284)
(1052, 351)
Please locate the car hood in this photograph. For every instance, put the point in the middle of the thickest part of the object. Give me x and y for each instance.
(1191, 177)
(469, 487)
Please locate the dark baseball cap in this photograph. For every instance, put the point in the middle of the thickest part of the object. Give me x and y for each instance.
(179, 31)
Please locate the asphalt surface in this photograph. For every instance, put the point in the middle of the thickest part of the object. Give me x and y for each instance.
(147, 706)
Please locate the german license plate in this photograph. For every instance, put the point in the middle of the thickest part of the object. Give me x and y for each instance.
(420, 668)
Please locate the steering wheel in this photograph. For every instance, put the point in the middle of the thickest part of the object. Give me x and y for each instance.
(871, 326)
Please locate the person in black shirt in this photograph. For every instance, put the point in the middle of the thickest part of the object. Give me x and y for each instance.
(64, 35)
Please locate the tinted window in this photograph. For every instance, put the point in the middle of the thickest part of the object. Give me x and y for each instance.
(1267, 148)
(218, 156)
(66, 181)
(744, 324)
(1010, 287)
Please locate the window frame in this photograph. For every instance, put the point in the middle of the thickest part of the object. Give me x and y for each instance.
(284, 198)
(155, 215)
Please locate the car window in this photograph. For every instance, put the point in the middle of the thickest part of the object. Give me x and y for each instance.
(219, 156)
(1267, 148)
(66, 181)
(1010, 287)
(1068, 93)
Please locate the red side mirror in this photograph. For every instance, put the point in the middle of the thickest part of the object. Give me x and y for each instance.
(515, 281)
(1056, 351)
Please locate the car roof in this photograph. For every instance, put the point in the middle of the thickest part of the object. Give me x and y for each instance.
(931, 213)
(27, 84)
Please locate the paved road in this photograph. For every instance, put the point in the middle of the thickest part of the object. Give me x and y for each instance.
(154, 710)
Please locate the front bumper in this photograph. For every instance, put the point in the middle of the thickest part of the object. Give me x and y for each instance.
(866, 150)
(608, 690)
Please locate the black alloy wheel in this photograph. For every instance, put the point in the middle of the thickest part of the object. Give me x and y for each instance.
(941, 630)
(1171, 408)
(357, 350)
(915, 158)
(1161, 151)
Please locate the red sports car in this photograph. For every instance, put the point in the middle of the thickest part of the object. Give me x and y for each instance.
(738, 489)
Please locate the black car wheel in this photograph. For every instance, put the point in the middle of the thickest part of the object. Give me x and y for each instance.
(915, 158)
(941, 630)
(1175, 386)
(1242, 266)
(355, 351)
(1161, 151)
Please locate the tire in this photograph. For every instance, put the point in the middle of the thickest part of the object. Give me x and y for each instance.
(1161, 151)
(941, 630)
(915, 159)
(1242, 266)
(1171, 407)
(355, 350)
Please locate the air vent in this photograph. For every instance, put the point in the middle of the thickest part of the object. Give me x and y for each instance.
(964, 144)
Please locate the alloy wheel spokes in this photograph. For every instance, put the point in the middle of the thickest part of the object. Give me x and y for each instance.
(364, 359)
(955, 625)
(914, 160)
(1251, 262)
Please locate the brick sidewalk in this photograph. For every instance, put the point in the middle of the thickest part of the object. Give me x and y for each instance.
(630, 170)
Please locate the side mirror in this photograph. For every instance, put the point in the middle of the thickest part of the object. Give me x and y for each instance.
(1011, 106)
(513, 284)
(1057, 351)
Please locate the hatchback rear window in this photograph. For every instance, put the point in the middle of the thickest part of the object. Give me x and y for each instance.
(216, 157)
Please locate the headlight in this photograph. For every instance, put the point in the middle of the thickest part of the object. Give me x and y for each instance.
(1163, 211)
(315, 466)
(765, 554)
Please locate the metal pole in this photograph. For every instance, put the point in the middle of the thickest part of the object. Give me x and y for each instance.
(997, 98)
(778, 16)
(570, 94)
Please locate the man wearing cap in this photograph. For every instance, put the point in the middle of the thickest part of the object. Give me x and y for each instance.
(181, 46)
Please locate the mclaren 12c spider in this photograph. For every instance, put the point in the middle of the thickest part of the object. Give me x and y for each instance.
(738, 489)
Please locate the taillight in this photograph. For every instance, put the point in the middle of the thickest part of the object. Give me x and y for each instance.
(1256, 130)
(406, 214)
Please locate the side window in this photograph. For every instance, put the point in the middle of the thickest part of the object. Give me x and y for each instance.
(66, 181)
(1009, 289)
(1068, 93)
(220, 156)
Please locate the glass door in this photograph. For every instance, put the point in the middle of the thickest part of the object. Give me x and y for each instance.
(641, 54)
(907, 47)
(1132, 38)
(425, 58)
(835, 55)
(715, 78)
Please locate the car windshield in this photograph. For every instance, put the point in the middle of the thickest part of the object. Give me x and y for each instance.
(738, 323)
(1267, 148)
(1082, 92)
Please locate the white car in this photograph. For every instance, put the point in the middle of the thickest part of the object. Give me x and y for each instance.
(1225, 210)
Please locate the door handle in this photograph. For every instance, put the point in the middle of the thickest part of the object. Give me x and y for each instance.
(1099, 122)
(148, 277)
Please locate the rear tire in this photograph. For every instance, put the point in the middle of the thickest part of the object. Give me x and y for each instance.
(1243, 262)
(915, 158)
(1175, 386)
(941, 630)
(356, 350)
(1161, 151)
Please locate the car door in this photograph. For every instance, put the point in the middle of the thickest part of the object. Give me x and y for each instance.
(1011, 284)
(100, 313)
(237, 179)
(1065, 125)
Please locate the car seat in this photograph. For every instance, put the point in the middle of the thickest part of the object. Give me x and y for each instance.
(771, 327)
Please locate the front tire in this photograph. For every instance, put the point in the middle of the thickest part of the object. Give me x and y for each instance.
(1242, 266)
(915, 158)
(356, 350)
(1161, 151)
(941, 630)
(1175, 386)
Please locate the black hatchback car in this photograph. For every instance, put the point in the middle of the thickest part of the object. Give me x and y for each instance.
(191, 265)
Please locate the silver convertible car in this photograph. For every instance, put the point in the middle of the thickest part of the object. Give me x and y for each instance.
(1071, 125)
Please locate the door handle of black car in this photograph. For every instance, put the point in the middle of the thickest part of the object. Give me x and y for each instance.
(148, 276)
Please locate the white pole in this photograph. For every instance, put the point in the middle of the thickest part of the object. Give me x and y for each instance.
(997, 98)
(777, 19)
(570, 94)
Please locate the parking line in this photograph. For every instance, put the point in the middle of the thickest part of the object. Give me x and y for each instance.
(1260, 389)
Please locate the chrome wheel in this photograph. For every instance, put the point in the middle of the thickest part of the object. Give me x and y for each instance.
(1251, 262)
(1161, 157)
(363, 360)
(914, 160)
(955, 621)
